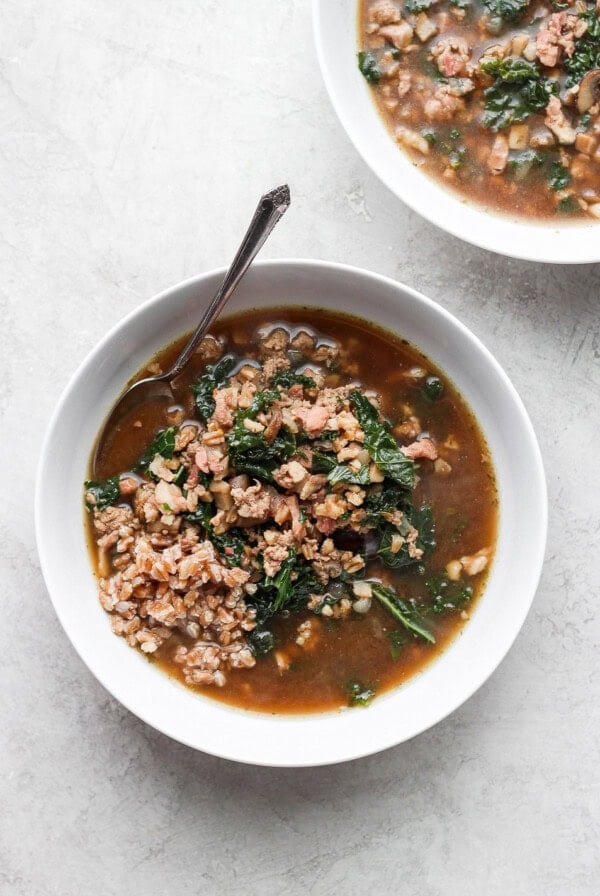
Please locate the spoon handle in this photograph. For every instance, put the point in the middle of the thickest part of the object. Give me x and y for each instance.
(269, 210)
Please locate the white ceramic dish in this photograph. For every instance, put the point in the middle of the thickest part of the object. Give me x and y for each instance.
(293, 740)
(336, 32)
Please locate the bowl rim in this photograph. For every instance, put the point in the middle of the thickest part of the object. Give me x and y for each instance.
(486, 229)
(390, 739)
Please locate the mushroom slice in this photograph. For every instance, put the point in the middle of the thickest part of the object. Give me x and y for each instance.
(589, 90)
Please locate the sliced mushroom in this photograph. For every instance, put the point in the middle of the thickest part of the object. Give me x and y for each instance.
(589, 90)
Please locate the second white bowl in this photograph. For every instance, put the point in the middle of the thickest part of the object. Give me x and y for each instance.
(336, 33)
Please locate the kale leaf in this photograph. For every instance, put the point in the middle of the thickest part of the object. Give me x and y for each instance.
(359, 695)
(250, 452)
(406, 612)
(398, 641)
(367, 64)
(518, 91)
(289, 589)
(447, 596)
(100, 494)
(287, 378)
(162, 444)
(586, 55)
(381, 444)
(202, 515)
(230, 545)
(422, 520)
(559, 176)
(215, 376)
(507, 10)
(385, 501)
(327, 463)
(261, 641)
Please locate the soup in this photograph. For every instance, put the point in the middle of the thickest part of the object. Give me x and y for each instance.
(497, 99)
(308, 525)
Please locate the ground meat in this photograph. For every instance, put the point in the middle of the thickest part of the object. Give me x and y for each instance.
(498, 157)
(274, 343)
(314, 419)
(443, 105)
(384, 12)
(558, 35)
(451, 56)
(558, 123)
(253, 502)
(225, 403)
(424, 448)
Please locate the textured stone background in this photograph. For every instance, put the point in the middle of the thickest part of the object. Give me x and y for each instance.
(134, 140)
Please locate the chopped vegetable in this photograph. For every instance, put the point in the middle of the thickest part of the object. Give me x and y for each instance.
(519, 91)
(215, 376)
(381, 444)
(359, 695)
(163, 445)
(404, 611)
(433, 388)
(100, 495)
(367, 64)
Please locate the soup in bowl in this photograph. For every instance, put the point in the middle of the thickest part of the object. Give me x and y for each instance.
(485, 124)
(317, 545)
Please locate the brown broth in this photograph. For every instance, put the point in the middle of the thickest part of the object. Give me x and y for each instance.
(459, 144)
(355, 649)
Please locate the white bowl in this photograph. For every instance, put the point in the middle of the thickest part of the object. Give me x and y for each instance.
(336, 32)
(313, 739)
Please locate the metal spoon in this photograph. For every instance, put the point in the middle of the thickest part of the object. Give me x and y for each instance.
(270, 209)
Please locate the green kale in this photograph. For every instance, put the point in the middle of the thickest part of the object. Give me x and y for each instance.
(398, 641)
(433, 388)
(447, 596)
(287, 378)
(406, 612)
(359, 695)
(559, 176)
(507, 10)
(518, 91)
(327, 463)
(230, 545)
(101, 494)
(422, 520)
(216, 375)
(367, 64)
(163, 444)
(202, 515)
(250, 452)
(586, 55)
(261, 641)
(381, 444)
(289, 589)
(181, 476)
(387, 500)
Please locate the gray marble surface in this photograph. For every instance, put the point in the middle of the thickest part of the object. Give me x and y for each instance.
(135, 138)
